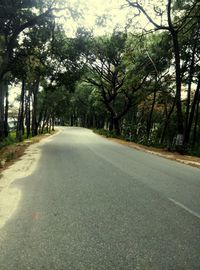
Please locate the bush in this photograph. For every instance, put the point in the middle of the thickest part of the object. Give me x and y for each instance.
(107, 133)
(7, 141)
(194, 151)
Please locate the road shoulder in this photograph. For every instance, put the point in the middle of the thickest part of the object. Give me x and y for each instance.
(188, 160)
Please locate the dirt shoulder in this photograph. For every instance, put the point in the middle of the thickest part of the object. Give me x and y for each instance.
(11, 153)
(189, 160)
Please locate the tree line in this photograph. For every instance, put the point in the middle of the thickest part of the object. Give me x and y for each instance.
(142, 84)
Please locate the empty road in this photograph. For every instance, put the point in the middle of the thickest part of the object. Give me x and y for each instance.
(94, 204)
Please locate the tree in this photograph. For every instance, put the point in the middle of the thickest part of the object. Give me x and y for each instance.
(106, 70)
(15, 18)
(178, 16)
(86, 107)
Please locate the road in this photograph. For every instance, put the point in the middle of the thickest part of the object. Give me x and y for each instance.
(94, 204)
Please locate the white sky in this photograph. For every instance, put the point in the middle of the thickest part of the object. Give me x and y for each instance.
(117, 16)
(92, 9)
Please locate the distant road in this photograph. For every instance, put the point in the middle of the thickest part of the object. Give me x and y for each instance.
(94, 204)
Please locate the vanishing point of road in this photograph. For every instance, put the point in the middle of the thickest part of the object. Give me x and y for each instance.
(92, 204)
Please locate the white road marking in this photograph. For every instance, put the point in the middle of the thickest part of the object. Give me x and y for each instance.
(185, 208)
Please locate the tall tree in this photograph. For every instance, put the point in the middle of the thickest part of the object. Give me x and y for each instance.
(15, 18)
(106, 70)
(178, 15)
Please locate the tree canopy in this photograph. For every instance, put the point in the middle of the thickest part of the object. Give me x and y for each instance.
(142, 83)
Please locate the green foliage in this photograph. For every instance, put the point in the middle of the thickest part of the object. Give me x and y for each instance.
(8, 141)
(123, 81)
(194, 151)
(107, 133)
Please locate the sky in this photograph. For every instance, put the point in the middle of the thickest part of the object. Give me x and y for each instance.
(118, 14)
(92, 10)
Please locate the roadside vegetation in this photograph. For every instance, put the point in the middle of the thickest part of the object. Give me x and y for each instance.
(141, 84)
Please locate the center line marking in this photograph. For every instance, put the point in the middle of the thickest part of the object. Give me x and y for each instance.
(185, 208)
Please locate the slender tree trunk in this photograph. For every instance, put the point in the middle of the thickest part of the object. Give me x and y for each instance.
(44, 120)
(2, 111)
(191, 73)
(116, 126)
(35, 106)
(72, 120)
(167, 120)
(43, 126)
(196, 122)
(20, 124)
(47, 124)
(111, 124)
(53, 123)
(191, 118)
(149, 121)
(50, 125)
(180, 127)
(41, 116)
(6, 128)
(28, 114)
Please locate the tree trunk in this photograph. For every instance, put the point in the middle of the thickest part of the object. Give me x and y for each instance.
(191, 73)
(180, 127)
(191, 118)
(6, 128)
(44, 121)
(41, 116)
(47, 123)
(149, 121)
(2, 110)
(167, 120)
(116, 126)
(196, 122)
(111, 124)
(50, 125)
(72, 120)
(35, 91)
(53, 123)
(28, 114)
(20, 124)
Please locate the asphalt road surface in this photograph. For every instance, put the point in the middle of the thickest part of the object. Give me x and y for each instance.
(95, 204)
